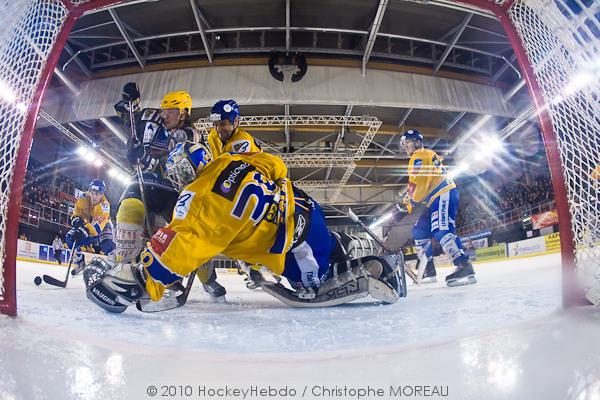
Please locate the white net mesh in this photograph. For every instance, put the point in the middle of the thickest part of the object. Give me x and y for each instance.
(562, 42)
(28, 30)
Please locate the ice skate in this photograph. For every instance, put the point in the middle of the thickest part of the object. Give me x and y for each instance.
(79, 262)
(463, 275)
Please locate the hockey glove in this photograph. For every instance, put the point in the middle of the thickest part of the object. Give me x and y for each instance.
(78, 235)
(135, 150)
(131, 92)
(77, 222)
(408, 203)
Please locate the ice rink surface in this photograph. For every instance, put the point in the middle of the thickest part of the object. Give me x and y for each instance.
(504, 338)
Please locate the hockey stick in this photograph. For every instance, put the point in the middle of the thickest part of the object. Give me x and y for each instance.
(140, 176)
(407, 269)
(55, 282)
(167, 303)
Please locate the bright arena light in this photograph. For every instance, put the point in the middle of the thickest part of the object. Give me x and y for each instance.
(82, 151)
(577, 82)
(6, 93)
(98, 162)
(458, 170)
(112, 172)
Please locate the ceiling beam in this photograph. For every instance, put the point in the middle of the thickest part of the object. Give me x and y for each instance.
(125, 35)
(452, 43)
(373, 33)
(288, 35)
(198, 17)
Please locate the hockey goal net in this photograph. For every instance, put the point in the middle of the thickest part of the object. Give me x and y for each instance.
(557, 45)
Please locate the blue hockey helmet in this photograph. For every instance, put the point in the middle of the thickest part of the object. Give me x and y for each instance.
(224, 109)
(411, 134)
(185, 162)
(97, 185)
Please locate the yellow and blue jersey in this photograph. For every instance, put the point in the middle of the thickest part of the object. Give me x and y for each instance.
(95, 216)
(239, 142)
(427, 177)
(241, 206)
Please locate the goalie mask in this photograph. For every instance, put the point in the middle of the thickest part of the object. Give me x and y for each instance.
(185, 162)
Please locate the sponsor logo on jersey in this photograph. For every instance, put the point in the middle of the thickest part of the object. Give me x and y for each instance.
(183, 204)
(231, 178)
(417, 166)
(240, 146)
(159, 242)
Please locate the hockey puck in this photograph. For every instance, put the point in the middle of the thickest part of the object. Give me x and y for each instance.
(37, 280)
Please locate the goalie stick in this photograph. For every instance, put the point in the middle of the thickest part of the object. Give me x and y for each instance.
(168, 303)
(55, 282)
(407, 269)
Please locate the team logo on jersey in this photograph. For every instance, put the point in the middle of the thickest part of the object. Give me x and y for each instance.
(231, 178)
(240, 146)
(300, 225)
(183, 204)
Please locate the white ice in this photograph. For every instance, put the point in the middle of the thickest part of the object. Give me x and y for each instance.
(505, 338)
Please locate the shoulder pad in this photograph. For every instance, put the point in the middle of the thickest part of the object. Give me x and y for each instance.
(151, 114)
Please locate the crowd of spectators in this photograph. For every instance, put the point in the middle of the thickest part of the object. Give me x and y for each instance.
(508, 197)
(44, 188)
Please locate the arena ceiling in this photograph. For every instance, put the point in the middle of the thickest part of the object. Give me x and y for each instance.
(434, 38)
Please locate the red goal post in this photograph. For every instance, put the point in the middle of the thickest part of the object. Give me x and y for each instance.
(555, 42)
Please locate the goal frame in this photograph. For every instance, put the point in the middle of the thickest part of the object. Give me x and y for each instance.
(572, 293)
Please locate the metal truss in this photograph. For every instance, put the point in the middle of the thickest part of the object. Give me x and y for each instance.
(111, 54)
(77, 140)
(316, 160)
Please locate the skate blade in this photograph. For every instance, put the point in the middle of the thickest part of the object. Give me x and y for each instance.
(218, 300)
(465, 280)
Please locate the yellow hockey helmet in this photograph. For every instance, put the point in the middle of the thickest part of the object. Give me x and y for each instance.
(181, 100)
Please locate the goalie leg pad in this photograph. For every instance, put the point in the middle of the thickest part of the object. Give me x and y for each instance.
(119, 288)
(130, 227)
(326, 296)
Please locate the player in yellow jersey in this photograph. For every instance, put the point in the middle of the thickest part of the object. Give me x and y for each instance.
(429, 185)
(244, 207)
(226, 136)
(91, 224)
